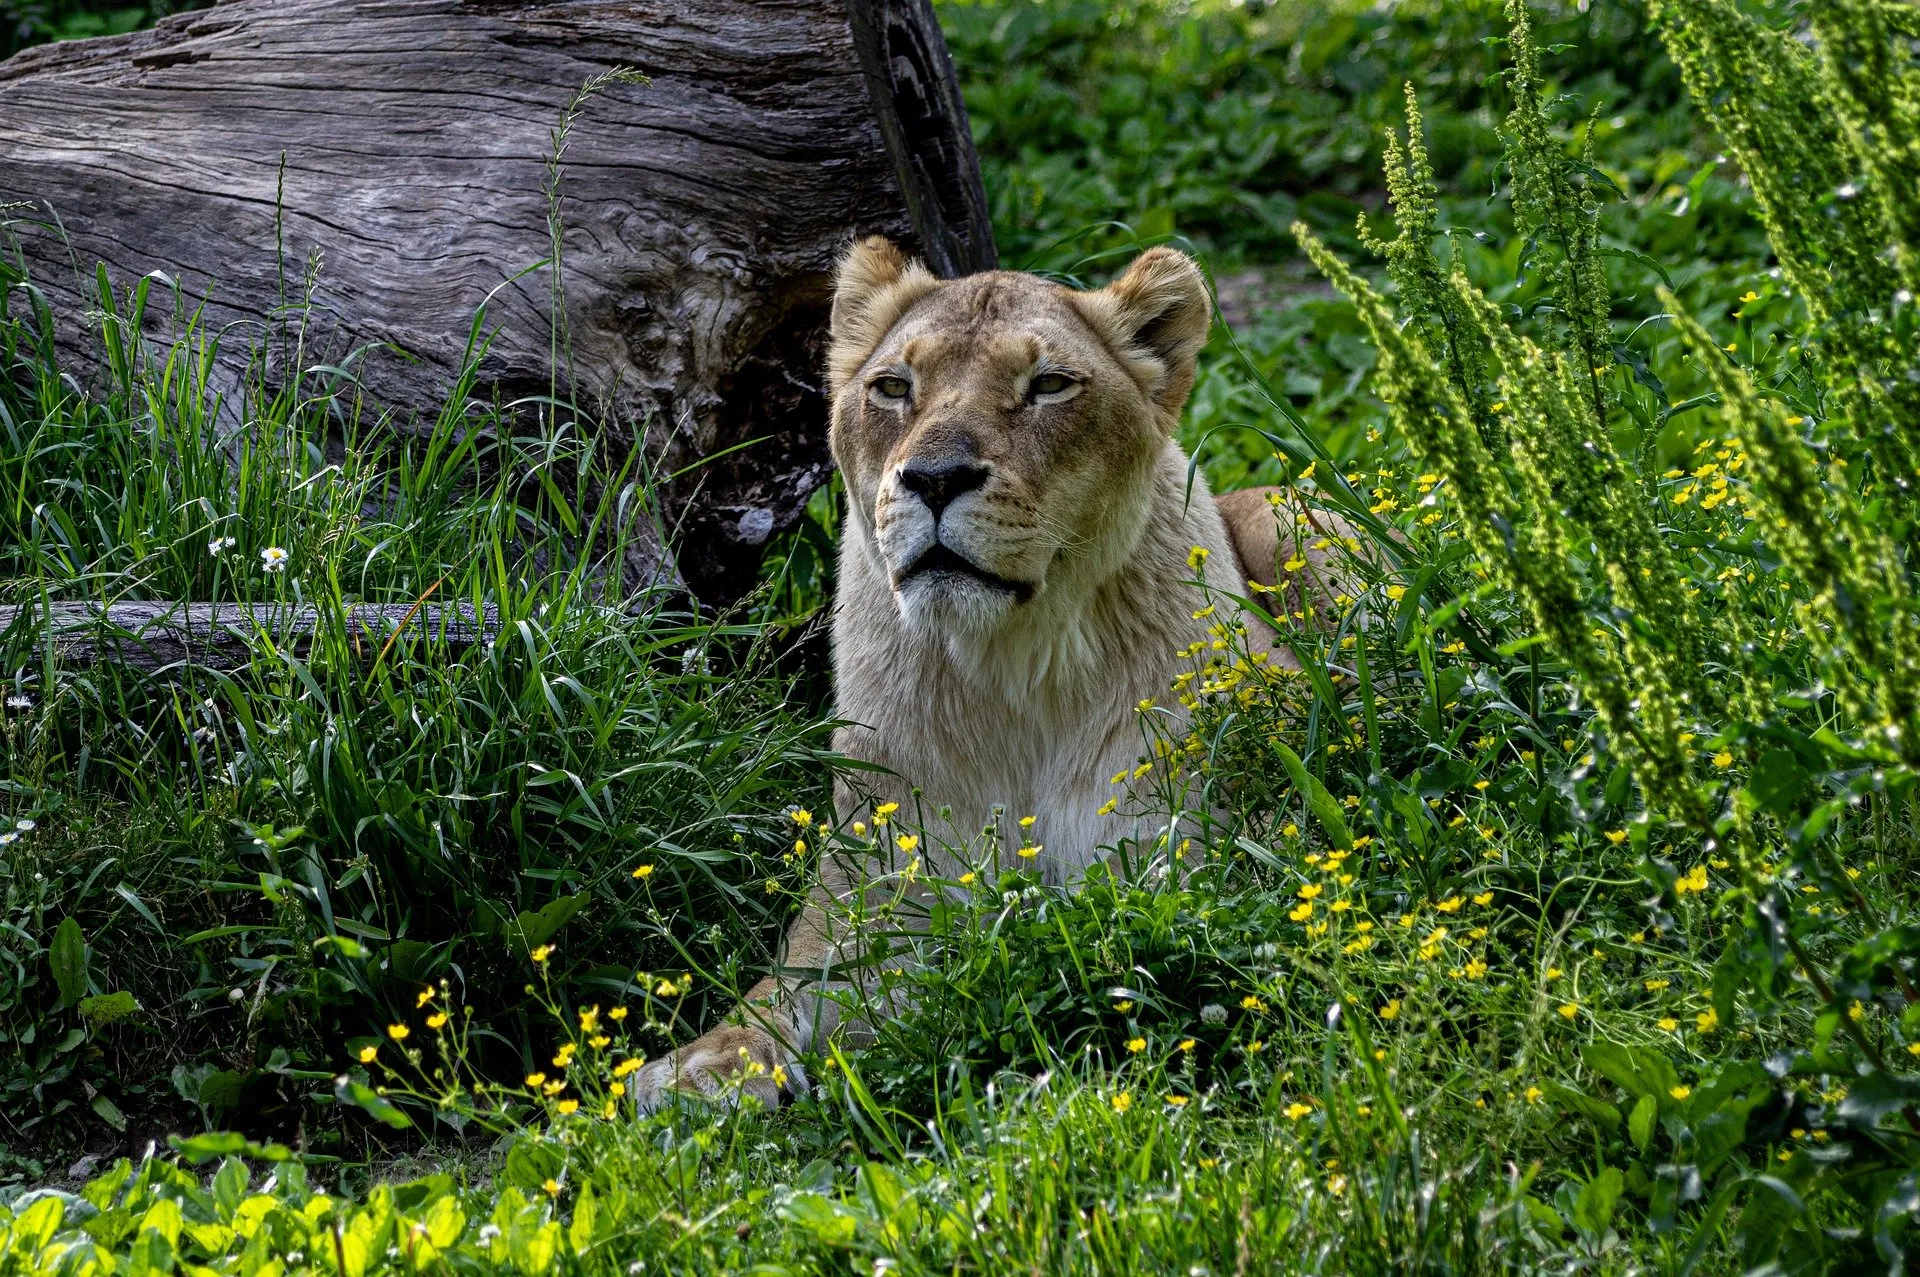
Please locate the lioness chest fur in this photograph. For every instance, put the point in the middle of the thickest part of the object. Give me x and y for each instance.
(1019, 569)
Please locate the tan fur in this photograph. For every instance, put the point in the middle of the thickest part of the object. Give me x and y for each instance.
(1017, 695)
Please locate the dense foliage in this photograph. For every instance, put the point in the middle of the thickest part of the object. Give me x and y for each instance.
(1554, 915)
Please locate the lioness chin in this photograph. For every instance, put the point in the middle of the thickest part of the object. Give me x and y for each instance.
(1017, 572)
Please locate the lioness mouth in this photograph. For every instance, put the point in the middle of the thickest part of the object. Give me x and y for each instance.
(939, 558)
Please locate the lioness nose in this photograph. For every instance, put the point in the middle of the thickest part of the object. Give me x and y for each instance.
(940, 484)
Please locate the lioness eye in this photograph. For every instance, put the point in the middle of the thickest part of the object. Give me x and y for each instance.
(892, 387)
(1051, 383)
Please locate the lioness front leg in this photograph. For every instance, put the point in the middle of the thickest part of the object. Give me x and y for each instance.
(756, 1052)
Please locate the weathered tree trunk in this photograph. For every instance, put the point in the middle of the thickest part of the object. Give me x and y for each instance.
(162, 637)
(405, 144)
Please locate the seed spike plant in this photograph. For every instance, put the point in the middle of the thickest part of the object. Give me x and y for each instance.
(1522, 541)
(1859, 604)
(1581, 477)
(1827, 192)
(1416, 271)
(1554, 203)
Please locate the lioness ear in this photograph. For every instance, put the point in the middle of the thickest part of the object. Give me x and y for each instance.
(873, 286)
(1157, 315)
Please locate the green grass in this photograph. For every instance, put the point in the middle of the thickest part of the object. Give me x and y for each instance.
(1478, 971)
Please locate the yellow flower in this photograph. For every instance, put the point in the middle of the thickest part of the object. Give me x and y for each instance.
(1667, 1024)
(627, 1066)
(1122, 1102)
(1309, 891)
(1177, 1101)
(1568, 1010)
(1186, 1044)
(1533, 1094)
(1290, 830)
(643, 872)
(599, 1041)
(666, 989)
(1450, 905)
(552, 1187)
(1680, 1092)
(883, 812)
(617, 1014)
(1723, 759)
(1856, 1011)
(566, 1107)
(1028, 853)
(1124, 1005)
(1553, 973)
(803, 818)
(1694, 880)
(589, 1018)
(1297, 1110)
(1026, 822)
(541, 954)
(1107, 808)
(536, 1080)
(1707, 1021)
(1391, 1011)
(1251, 1003)
(1136, 1045)
(437, 1020)
(966, 879)
(1301, 912)
(368, 1052)
(426, 996)
(616, 1089)
(398, 1032)
(907, 842)
(1396, 592)
(1484, 898)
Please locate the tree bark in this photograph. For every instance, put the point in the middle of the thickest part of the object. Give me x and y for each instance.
(156, 638)
(403, 146)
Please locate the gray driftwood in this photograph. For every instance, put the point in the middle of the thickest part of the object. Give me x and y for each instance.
(403, 145)
(171, 637)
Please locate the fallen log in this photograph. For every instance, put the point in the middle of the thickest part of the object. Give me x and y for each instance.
(161, 638)
(404, 146)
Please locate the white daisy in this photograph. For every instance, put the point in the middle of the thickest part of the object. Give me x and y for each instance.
(273, 559)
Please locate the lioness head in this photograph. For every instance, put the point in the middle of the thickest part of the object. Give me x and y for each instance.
(996, 432)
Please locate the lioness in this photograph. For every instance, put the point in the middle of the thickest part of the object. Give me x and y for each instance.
(1015, 576)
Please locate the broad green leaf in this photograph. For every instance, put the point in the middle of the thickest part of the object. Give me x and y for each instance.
(1640, 1124)
(1593, 1209)
(1879, 1093)
(1599, 1112)
(580, 1233)
(530, 930)
(1322, 804)
(444, 1222)
(109, 1112)
(370, 1102)
(68, 957)
(827, 1221)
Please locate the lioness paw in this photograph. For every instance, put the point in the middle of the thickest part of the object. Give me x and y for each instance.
(721, 1066)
